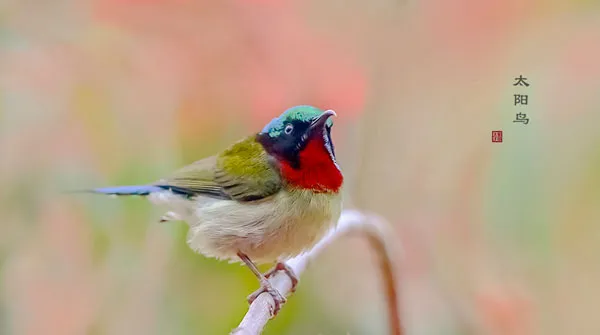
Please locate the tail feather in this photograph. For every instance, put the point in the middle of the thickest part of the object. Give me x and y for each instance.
(128, 190)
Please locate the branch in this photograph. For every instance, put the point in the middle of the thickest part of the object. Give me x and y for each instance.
(375, 229)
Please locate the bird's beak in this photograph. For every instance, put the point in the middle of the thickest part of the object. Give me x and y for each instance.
(320, 121)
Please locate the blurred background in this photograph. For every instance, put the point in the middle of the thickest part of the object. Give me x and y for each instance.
(496, 238)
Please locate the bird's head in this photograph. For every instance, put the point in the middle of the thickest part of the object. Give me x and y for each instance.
(300, 139)
(288, 135)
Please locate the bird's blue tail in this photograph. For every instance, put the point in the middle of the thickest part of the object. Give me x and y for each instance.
(128, 190)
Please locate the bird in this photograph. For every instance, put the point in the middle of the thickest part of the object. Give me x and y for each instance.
(265, 199)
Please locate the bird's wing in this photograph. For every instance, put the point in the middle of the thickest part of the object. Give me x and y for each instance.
(197, 178)
(243, 172)
(246, 173)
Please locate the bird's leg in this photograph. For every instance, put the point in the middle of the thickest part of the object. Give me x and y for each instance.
(265, 285)
(280, 266)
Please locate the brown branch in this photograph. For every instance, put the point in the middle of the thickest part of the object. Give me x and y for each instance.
(377, 232)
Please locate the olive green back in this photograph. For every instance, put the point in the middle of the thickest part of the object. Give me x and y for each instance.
(242, 172)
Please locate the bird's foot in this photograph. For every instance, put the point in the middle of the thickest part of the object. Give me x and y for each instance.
(280, 266)
(265, 286)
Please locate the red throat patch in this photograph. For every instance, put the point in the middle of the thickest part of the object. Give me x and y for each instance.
(317, 170)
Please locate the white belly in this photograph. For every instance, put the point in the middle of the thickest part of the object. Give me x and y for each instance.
(276, 228)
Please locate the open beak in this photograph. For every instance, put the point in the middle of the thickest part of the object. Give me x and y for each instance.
(320, 121)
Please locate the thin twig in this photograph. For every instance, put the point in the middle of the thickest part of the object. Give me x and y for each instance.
(377, 232)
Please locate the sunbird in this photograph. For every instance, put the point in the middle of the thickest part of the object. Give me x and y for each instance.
(265, 199)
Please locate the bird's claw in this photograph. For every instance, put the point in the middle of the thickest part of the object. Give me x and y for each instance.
(265, 286)
(285, 268)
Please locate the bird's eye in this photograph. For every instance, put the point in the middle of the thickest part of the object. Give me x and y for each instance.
(288, 129)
